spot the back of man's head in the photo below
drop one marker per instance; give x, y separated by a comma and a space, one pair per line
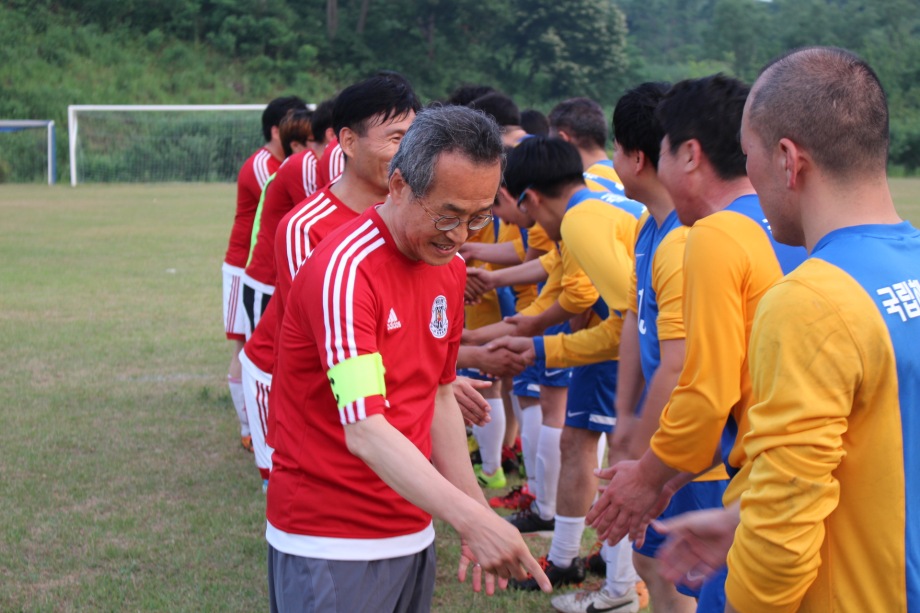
322, 119
708, 110
295, 127
582, 119
382, 97
465, 94
445, 129
275, 112
500, 107
534, 122
828, 101
635, 127
547, 165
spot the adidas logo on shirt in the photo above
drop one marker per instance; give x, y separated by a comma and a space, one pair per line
393, 321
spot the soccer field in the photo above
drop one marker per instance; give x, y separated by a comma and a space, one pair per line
122, 483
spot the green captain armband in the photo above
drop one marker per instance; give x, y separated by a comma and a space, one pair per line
356, 378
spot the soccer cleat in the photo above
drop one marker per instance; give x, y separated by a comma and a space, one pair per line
529, 520
510, 460
473, 446
495, 481
596, 600
574, 574
642, 592
518, 499
594, 561
246, 442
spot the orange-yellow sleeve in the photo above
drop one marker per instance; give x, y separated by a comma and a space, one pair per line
587, 346
552, 263
715, 267
539, 240
668, 281
578, 293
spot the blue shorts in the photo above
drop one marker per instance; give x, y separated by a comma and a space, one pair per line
591, 395
473, 373
694, 496
712, 593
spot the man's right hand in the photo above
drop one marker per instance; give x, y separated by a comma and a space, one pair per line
499, 548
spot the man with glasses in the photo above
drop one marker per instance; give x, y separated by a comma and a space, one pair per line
369, 443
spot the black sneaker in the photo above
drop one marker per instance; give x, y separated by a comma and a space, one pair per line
594, 561
529, 520
573, 575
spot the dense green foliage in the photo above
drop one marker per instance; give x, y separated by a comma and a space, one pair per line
59, 52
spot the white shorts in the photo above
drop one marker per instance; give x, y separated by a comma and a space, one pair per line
256, 386
255, 300
234, 317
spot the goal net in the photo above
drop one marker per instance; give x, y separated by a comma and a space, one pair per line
161, 143
27, 151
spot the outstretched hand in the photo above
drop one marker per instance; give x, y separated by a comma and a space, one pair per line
473, 406
696, 544
520, 345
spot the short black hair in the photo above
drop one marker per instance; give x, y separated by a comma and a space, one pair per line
635, 127
275, 112
466, 93
388, 95
583, 119
544, 164
708, 110
534, 122
502, 108
322, 118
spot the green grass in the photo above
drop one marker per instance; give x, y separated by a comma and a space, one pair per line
122, 484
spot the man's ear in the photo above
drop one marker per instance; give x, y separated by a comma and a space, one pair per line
793, 160
690, 154
347, 140
399, 189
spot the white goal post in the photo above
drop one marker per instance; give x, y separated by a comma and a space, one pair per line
136, 148
15, 125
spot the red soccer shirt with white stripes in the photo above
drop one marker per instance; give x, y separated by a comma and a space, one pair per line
294, 181
331, 164
297, 234
249, 183
356, 295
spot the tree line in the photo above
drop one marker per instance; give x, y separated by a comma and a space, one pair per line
59, 52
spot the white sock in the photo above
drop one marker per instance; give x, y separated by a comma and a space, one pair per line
601, 450
548, 465
236, 394
531, 420
490, 437
566, 540
621, 574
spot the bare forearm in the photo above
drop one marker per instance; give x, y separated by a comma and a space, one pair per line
522, 274
403, 467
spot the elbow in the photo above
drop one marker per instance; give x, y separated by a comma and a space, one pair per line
356, 439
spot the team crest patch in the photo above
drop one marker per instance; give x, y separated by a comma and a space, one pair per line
438, 325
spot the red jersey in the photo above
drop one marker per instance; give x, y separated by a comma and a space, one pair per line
249, 183
331, 165
294, 181
357, 295
295, 237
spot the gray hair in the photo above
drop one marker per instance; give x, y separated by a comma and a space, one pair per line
445, 129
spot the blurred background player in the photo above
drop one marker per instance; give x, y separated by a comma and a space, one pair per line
251, 179
294, 179
534, 122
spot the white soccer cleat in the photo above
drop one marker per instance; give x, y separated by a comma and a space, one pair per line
596, 601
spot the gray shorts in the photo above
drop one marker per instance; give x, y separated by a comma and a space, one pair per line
310, 585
